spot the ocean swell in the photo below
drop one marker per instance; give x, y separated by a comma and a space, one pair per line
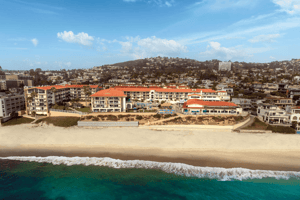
176, 168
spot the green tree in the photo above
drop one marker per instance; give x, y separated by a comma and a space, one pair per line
87, 92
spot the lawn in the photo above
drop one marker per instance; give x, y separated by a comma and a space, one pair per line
60, 107
18, 120
60, 121
87, 109
259, 125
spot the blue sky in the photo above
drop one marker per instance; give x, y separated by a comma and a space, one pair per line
71, 34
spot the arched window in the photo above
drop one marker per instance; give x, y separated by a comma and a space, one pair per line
295, 118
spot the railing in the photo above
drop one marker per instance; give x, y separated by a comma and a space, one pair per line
69, 111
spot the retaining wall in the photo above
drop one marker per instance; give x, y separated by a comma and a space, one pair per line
191, 127
254, 131
108, 124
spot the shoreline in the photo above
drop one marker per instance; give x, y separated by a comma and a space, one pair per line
254, 160
205, 148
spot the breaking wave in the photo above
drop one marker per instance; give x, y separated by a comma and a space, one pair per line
222, 174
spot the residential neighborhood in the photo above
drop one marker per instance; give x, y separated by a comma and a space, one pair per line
269, 91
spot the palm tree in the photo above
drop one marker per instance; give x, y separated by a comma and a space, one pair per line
53, 89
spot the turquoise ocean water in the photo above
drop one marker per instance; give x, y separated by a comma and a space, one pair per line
63, 180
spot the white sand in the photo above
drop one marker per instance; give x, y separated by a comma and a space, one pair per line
257, 148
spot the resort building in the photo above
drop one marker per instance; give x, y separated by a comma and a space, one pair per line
196, 106
40, 99
9, 104
172, 95
110, 100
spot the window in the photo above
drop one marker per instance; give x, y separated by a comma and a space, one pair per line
295, 118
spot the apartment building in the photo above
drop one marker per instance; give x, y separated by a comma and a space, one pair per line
173, 95
7, 84
22, 79
10, 103
77, 91
110, 100
40, 99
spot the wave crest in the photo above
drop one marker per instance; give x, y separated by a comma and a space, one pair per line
176, 168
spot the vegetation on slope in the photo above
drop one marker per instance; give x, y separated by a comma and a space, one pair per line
259, 125
18, 120
60, 121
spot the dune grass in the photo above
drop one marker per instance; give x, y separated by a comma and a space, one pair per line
18, 120
259, 125
60, 121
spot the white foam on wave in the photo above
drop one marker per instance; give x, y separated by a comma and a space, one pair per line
176, 168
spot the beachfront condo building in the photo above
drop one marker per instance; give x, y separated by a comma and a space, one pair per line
110, 100
196, 106
40, 99
10, 103
172, 95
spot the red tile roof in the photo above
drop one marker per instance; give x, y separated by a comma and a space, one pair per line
159, 89
195, 95
185, 90
112, 92
208, 103
136, 89
66, 86
80, 86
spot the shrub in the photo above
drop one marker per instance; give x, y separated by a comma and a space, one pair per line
95, 119
167, 116
112, 118
139, 117
188, 118
239, 118
158, 116
33, 114
281, 129
89, 117
214, 118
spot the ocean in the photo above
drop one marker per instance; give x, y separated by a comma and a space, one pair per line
64, 178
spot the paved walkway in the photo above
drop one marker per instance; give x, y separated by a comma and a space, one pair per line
252, 118
75, 110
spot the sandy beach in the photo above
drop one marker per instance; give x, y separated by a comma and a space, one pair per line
206, 147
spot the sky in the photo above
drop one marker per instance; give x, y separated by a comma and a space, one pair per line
73, 34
